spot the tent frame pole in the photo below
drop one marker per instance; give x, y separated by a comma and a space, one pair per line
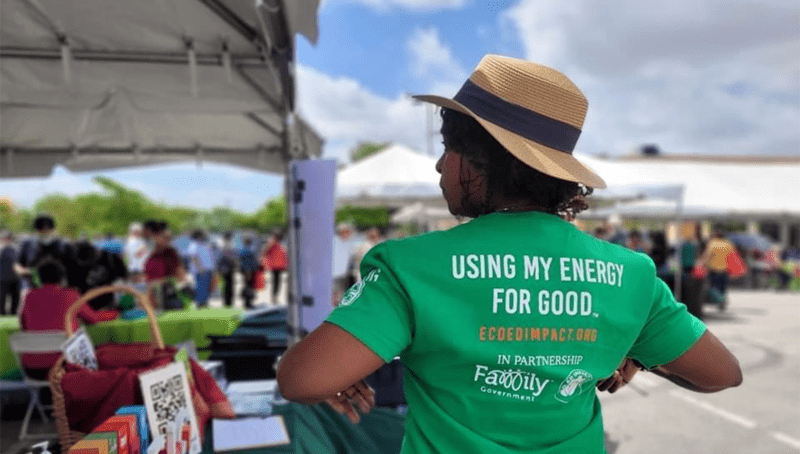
295, 284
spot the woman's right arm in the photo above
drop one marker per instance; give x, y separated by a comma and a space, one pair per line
707, 367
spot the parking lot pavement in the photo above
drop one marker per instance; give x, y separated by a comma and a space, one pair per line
761, 416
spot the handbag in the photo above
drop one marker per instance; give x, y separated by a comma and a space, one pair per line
735, 264
259, 283
699, 272
84, 398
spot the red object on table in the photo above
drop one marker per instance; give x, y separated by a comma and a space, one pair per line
91, 397
125, 434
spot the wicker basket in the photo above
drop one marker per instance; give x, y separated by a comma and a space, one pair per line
67, 436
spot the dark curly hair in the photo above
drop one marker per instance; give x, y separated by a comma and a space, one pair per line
506, 176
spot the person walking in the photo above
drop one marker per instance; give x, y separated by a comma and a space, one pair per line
275, 261
506, 324
715, 260
227, 264
201, 264
9, 280
248, 265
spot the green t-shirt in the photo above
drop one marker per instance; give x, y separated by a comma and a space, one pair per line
505, 324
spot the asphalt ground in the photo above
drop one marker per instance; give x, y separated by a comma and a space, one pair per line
654, 416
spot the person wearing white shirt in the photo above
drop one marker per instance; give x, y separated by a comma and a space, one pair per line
201, 265
343, 245
136, 252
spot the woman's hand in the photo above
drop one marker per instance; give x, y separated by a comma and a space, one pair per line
357, 397
621, 377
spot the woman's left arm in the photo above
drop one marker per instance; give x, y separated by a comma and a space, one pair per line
328, 361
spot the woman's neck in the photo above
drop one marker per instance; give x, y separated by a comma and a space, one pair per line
516, 205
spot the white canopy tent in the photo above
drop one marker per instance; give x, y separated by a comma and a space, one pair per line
395, 177
713, 188
101, 84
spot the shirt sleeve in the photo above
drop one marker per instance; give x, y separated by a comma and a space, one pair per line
377, 310
85, 312
670, 330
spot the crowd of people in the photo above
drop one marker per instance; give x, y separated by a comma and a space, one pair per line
349, 249
149, 259
43, 275
709, 258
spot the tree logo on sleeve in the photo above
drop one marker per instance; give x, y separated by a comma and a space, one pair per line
354, 292
575, 384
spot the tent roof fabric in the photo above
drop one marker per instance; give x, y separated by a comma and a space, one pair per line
101, 83
395, 176
712, 189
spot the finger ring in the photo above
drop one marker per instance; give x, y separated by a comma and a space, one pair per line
339, 394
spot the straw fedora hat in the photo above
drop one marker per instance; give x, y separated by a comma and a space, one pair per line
534, 111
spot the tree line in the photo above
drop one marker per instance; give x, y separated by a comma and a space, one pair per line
117, 206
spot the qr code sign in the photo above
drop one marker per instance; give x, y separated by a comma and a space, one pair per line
85, 355
79, 350
168, 400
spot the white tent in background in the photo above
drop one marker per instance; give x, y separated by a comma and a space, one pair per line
395, 177
728, 189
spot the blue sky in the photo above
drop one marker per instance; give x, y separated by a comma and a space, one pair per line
694, 77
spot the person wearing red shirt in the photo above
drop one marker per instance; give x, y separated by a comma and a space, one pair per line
162, 265
164, 261
44, 309
274, 259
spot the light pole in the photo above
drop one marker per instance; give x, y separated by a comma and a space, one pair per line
430, 132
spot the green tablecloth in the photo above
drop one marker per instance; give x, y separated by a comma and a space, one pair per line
176, 326
320, 430
8, 366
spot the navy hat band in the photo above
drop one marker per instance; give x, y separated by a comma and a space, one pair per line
519, 120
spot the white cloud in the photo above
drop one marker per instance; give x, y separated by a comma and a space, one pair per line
25, 192
432, 59
409, 5
694, 77
345, 113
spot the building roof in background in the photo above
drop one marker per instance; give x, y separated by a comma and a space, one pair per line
714, 186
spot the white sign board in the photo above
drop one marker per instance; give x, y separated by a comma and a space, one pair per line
168, 401
316, 216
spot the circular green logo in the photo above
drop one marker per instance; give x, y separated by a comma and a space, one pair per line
352, 294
